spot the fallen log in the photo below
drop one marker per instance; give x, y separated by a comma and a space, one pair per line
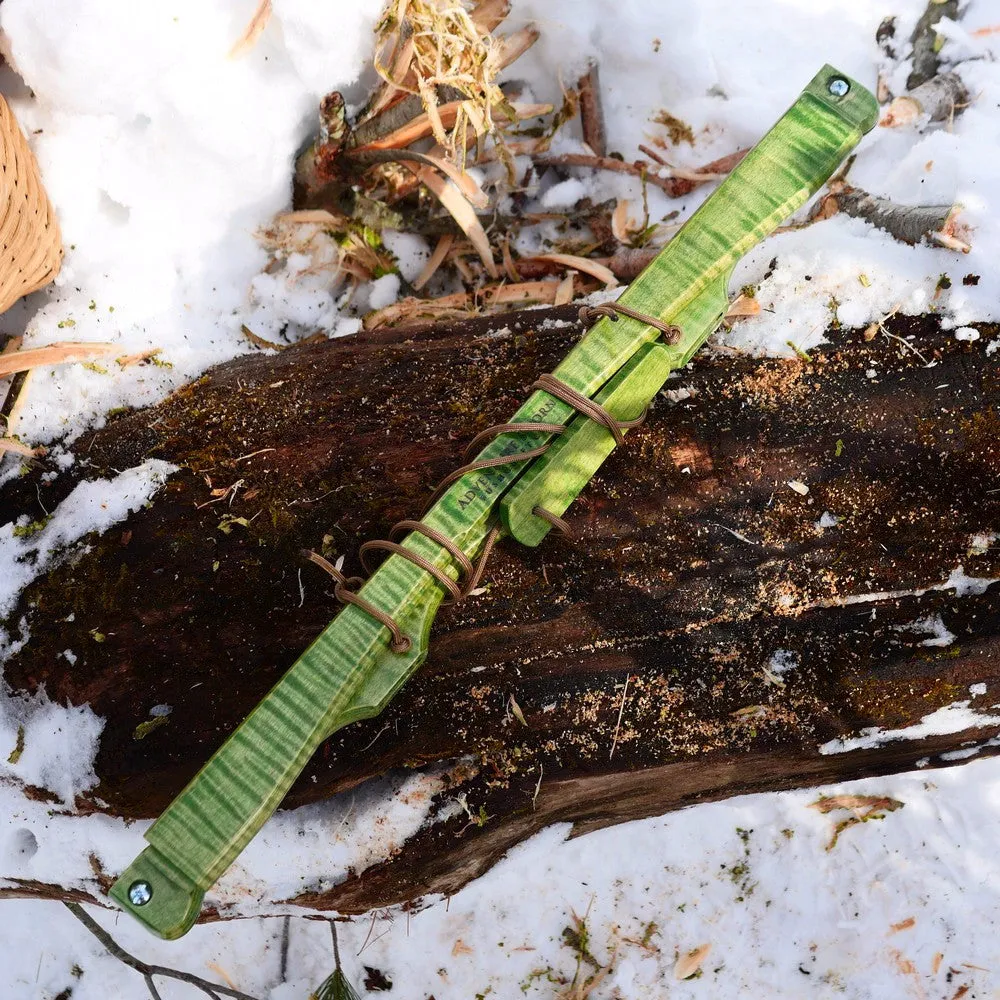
773, 563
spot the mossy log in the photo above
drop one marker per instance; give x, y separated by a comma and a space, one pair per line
703, 632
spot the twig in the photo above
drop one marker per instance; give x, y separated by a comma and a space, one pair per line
253, 30
403, 115
461, 303
926, 59
285, 938
52, 354
621, 712
147, 971
936, 100
681, 182
697, 176
906, 223
591, 111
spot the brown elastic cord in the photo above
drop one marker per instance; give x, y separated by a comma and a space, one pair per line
400, 642
418, 560
474, 573
612, 310
587, 406
465, 564
497, 429
436, 536
554, 519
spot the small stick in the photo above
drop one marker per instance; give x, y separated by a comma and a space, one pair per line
591, 111
675, 186
621, 712
146, 970
52, 354
926, 59
936, 100
906, 223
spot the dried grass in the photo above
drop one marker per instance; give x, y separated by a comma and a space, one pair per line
423, 45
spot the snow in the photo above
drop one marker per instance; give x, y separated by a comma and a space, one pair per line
59, 743
783, 661
164, 156
753, 877
93, 505
952, 718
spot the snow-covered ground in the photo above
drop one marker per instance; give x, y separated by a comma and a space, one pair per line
163, 155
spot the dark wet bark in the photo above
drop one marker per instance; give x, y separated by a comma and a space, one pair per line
693, 563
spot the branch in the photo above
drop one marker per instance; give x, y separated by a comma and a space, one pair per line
591, 111
934, 101
148, 972
907, 223
677, 185
926, 61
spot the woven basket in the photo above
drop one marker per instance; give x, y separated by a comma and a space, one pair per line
30, 243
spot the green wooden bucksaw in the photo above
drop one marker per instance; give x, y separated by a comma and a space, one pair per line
518, 485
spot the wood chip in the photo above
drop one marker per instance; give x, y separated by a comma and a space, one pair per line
515, 709
741, 306
830, 802
460, 210
516, 44
253, 30
124, 360
52, 354
267, 345
487, 15
591, 267
903, 925
15, 447
687, 965
435, 261
564, 293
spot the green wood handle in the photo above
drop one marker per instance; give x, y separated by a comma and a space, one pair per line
686, 284
349, 672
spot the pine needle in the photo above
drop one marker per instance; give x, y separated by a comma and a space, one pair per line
335, 986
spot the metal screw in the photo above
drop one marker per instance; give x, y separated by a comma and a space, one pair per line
838, 86
140, 893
